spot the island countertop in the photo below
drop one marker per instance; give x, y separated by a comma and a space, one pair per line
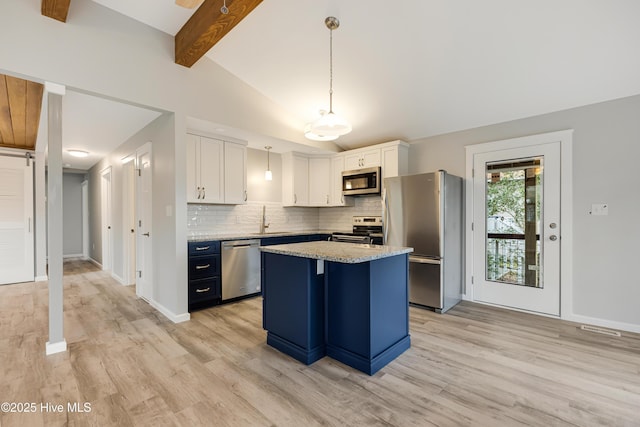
348, 253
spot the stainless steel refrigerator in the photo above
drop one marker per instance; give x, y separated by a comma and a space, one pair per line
424, 212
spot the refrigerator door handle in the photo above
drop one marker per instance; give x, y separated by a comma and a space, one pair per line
421, 260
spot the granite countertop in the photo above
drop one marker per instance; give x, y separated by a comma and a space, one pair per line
203, 237
348, 253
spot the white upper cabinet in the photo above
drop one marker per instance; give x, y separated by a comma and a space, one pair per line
319, 181
235, 173
316, 180
216, 171
362, 158
295, 179
394, 159
337, 167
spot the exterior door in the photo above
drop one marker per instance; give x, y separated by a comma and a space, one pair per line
144, 238
516, 228
16, 220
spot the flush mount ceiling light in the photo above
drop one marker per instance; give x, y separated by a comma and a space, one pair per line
268, 176
78, 153
330, 124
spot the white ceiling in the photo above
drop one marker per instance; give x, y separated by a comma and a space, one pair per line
98, 126
417, 68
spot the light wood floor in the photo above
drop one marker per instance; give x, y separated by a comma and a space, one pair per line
475, 366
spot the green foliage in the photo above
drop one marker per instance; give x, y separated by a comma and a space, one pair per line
507, 196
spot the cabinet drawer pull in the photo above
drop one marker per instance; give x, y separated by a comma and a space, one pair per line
203, 290
202, 248
202, 267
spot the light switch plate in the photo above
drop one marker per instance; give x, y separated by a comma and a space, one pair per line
599, 209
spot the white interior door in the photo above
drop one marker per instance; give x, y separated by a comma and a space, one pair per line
516, 223
16, 220
144, 238
129, 219
107, 232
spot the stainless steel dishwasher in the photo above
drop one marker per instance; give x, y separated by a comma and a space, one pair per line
240, 268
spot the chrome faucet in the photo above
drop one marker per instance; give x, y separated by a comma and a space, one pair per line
263, 220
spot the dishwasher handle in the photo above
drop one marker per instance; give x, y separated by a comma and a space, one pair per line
239, 244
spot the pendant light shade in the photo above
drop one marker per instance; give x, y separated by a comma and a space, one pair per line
316, 137
330, 126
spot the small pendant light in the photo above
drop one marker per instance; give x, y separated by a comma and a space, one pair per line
268, 176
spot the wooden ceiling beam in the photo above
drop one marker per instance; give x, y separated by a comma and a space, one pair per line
56, 9
207, 26
20, 106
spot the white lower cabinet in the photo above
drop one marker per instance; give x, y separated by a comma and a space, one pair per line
216, 171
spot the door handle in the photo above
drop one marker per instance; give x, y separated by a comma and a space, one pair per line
202, 267
145, 234
203, 290
553, 237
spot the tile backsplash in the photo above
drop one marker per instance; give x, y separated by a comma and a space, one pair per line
225, 219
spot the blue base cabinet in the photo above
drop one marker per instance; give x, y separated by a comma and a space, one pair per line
293, 306
357, 314
204, 274
367, 314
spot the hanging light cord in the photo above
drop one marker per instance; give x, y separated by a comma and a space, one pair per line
330, 70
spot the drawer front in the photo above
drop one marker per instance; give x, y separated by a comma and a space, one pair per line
203, 290
204, 248
204, 266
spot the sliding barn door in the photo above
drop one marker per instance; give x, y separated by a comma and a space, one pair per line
16, 220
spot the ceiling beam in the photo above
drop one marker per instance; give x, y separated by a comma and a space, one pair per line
207, 26
56, 9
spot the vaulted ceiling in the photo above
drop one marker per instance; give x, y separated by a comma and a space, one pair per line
416, 68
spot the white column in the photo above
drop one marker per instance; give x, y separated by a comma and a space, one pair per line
56, 343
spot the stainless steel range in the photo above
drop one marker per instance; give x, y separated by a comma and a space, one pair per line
365, 229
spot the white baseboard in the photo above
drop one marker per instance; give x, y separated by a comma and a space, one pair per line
175, 318
118, 279
94, 262
41, 278
68, 256
56, 347
604, 323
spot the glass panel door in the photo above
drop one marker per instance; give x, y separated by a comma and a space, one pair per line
513, 197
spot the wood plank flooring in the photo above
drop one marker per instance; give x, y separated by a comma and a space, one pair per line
474, 366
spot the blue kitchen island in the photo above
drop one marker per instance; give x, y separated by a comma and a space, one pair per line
342, 300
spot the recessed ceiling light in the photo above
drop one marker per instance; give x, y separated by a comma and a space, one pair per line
78, 153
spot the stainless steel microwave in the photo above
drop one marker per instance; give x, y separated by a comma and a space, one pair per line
361, 181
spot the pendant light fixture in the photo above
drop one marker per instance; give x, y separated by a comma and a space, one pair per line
330, 124
268, 176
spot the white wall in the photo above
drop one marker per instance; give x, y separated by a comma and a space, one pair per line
606, 146
258, 189
72, 214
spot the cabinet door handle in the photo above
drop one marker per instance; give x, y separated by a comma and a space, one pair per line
199, 193
204, 193
202, 267
327, 199
245, 195
202, 248
295, 199
203, 290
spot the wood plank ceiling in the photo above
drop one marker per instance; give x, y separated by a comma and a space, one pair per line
20, 105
